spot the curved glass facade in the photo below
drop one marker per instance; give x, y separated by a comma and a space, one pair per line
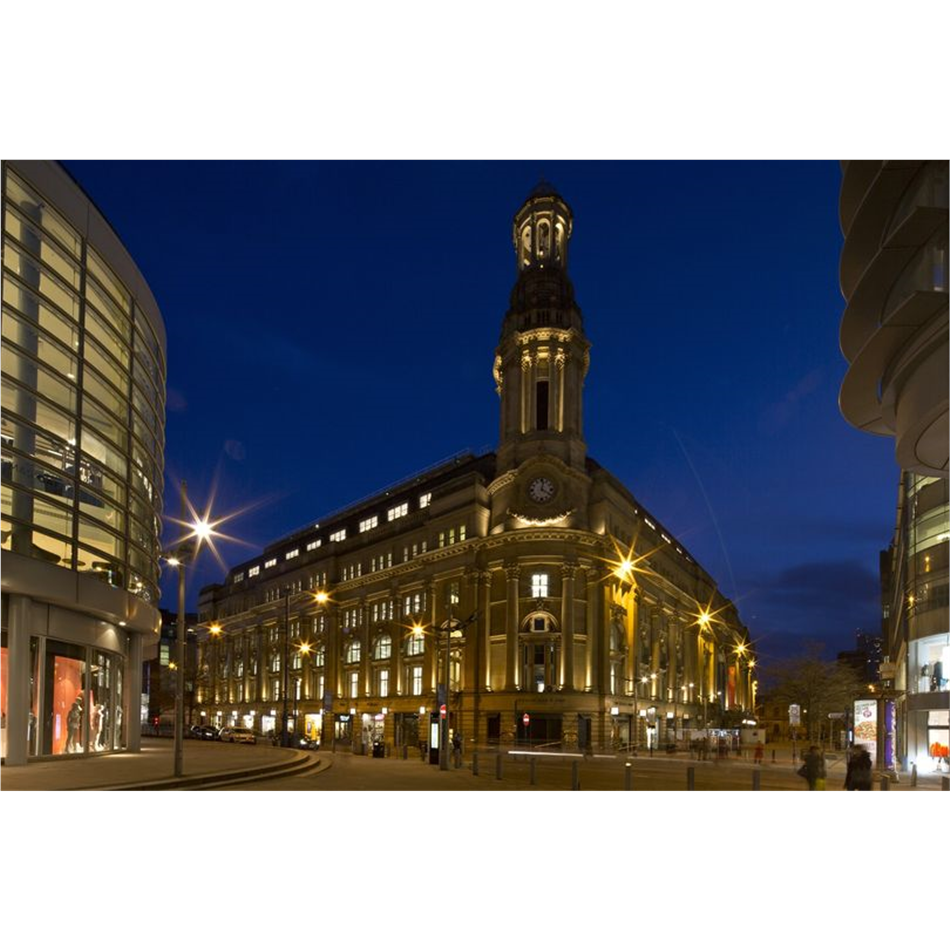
83, 402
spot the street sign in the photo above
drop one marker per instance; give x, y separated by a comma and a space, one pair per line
836, 715
794, 715
442, 710
526, 719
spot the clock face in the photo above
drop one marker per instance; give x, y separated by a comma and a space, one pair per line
541, 489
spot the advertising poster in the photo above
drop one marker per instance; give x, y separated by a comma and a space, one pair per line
865, 725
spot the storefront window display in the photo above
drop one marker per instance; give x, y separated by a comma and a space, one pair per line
4, 676
64, 704
928, 662
930, 740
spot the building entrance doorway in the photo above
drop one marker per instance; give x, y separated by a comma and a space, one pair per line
542, 729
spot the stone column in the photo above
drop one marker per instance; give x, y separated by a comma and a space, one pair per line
484, 629
366, 647
630, 660
512, 633
18, 680
132, 684
593, 631
568, 570
430, 669
654, 653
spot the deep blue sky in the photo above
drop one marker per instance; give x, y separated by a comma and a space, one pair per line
331, 329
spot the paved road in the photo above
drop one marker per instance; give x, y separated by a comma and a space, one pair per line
362, 773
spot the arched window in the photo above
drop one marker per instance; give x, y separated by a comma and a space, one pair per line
383, 649
526, 245
544, 239
353, 651
415, 644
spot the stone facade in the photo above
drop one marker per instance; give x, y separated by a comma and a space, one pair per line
511, 564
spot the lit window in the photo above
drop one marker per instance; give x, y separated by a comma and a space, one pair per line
539, 585
253, 572
354, 685
399, 511
313, 545
383, 683
416, 645
369, 523
454, 592
425, 499
384, 648
415, 679
353, 652
338, 535
270, 563
650, 523
290, 554
239, 577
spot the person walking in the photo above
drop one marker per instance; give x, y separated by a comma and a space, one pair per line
859, 774
813, 769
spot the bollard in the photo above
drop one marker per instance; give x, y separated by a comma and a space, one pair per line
885, 783
405, 752
575, 778
533, 772
691, 779
773, 757
913, 776
756, 781
498, 766
945, 783
474, 763
628, 777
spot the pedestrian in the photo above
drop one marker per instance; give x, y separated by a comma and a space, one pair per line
457, 747
858, 777
813, 769
759, 753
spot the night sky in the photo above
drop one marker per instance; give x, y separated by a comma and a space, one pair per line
331, 329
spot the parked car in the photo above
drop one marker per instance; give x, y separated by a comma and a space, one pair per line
205, 732
238, 734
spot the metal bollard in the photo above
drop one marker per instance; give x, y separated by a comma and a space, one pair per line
575, 777
474, 763
628, 777
691, 779
913, 776
756, 781
885, 783
498, 766
533, 772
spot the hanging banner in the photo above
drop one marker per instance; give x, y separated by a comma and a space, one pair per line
865, 725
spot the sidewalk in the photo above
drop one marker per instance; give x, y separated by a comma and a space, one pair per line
153, 767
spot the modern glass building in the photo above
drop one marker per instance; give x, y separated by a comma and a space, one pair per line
83, 444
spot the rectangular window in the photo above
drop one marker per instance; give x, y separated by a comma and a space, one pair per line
313, 545
415, 680
454, 592
539, 585
354, 685
290, 554
338, 535
271, 562
238, 577
542, 405
400, 511
383, 684
425, 500
369, 524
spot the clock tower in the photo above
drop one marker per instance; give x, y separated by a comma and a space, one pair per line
540, 365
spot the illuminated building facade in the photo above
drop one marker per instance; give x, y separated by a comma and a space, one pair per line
914, 711
894, 329
557, 608
83, 444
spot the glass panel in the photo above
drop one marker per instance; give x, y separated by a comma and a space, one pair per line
37, 243
64, 699
16, 365
94, 415
96, 536
120, 323
18, 400
34, 207
95, 385
107, 278
34, 275
97, 447
18, 297
103, 697
28, 337
96, 507
101, 481
108, 339
97, 565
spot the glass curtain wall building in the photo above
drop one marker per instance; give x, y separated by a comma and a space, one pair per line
83, 443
